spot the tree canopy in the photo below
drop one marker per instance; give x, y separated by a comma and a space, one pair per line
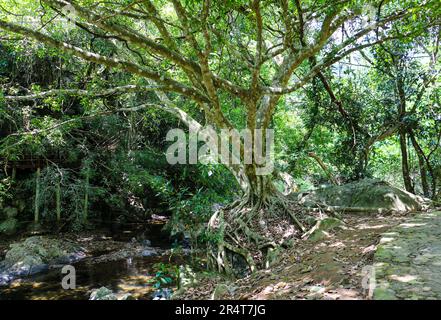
347, 85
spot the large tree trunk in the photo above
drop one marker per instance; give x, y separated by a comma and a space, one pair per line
258, 188
254, 227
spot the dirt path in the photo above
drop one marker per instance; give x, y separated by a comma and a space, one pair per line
327, 269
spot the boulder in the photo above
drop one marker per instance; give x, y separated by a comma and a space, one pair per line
10, 212
102, 294
149, 252
9, 226
36, 254
162, 294
364, 196
222, 291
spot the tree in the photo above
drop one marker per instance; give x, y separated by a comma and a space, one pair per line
402, 73
214, 54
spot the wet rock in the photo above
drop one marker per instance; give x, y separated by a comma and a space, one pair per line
162, 294
149, 252
36, 254
5, 279
129, 250
146, 243
38, 268
102, 294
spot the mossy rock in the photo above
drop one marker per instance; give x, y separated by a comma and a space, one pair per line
102, 294
221, 291
323, 226
384, 294
368, 195
39, 250
10, 212
187, 277
9, 226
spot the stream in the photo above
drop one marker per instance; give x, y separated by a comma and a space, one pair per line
128, 275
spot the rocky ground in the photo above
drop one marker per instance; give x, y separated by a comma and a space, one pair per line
334, 267
377, 250
408, 260
400, 254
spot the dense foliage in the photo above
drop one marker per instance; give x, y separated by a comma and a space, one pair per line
88, 94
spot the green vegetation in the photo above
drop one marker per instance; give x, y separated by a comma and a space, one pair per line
89, 91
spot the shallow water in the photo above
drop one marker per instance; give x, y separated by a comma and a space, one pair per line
130, 275
122, 276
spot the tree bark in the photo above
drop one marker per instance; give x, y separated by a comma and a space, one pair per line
405, 163
37, 196
421, 163
58, 200
86, 196
324, 167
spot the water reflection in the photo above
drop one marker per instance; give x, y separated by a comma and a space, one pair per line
130, 275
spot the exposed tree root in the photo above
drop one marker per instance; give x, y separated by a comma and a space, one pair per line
249, 235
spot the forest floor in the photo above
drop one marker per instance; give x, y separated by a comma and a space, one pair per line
403, 251
332, 268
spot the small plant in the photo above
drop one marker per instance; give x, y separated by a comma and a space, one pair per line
165, 275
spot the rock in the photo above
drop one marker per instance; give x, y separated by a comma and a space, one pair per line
146, 243
10, 212
126, 296
384, 294
35, 255
407, 260
41, 249
38, 268
222, 291
162, 294
285, 183
187, 277
315, 292
322, 228
149, 252
364, 196
102, 294
9, 226
5, 279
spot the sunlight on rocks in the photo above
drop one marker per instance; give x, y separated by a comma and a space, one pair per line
406, 278
411, 225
